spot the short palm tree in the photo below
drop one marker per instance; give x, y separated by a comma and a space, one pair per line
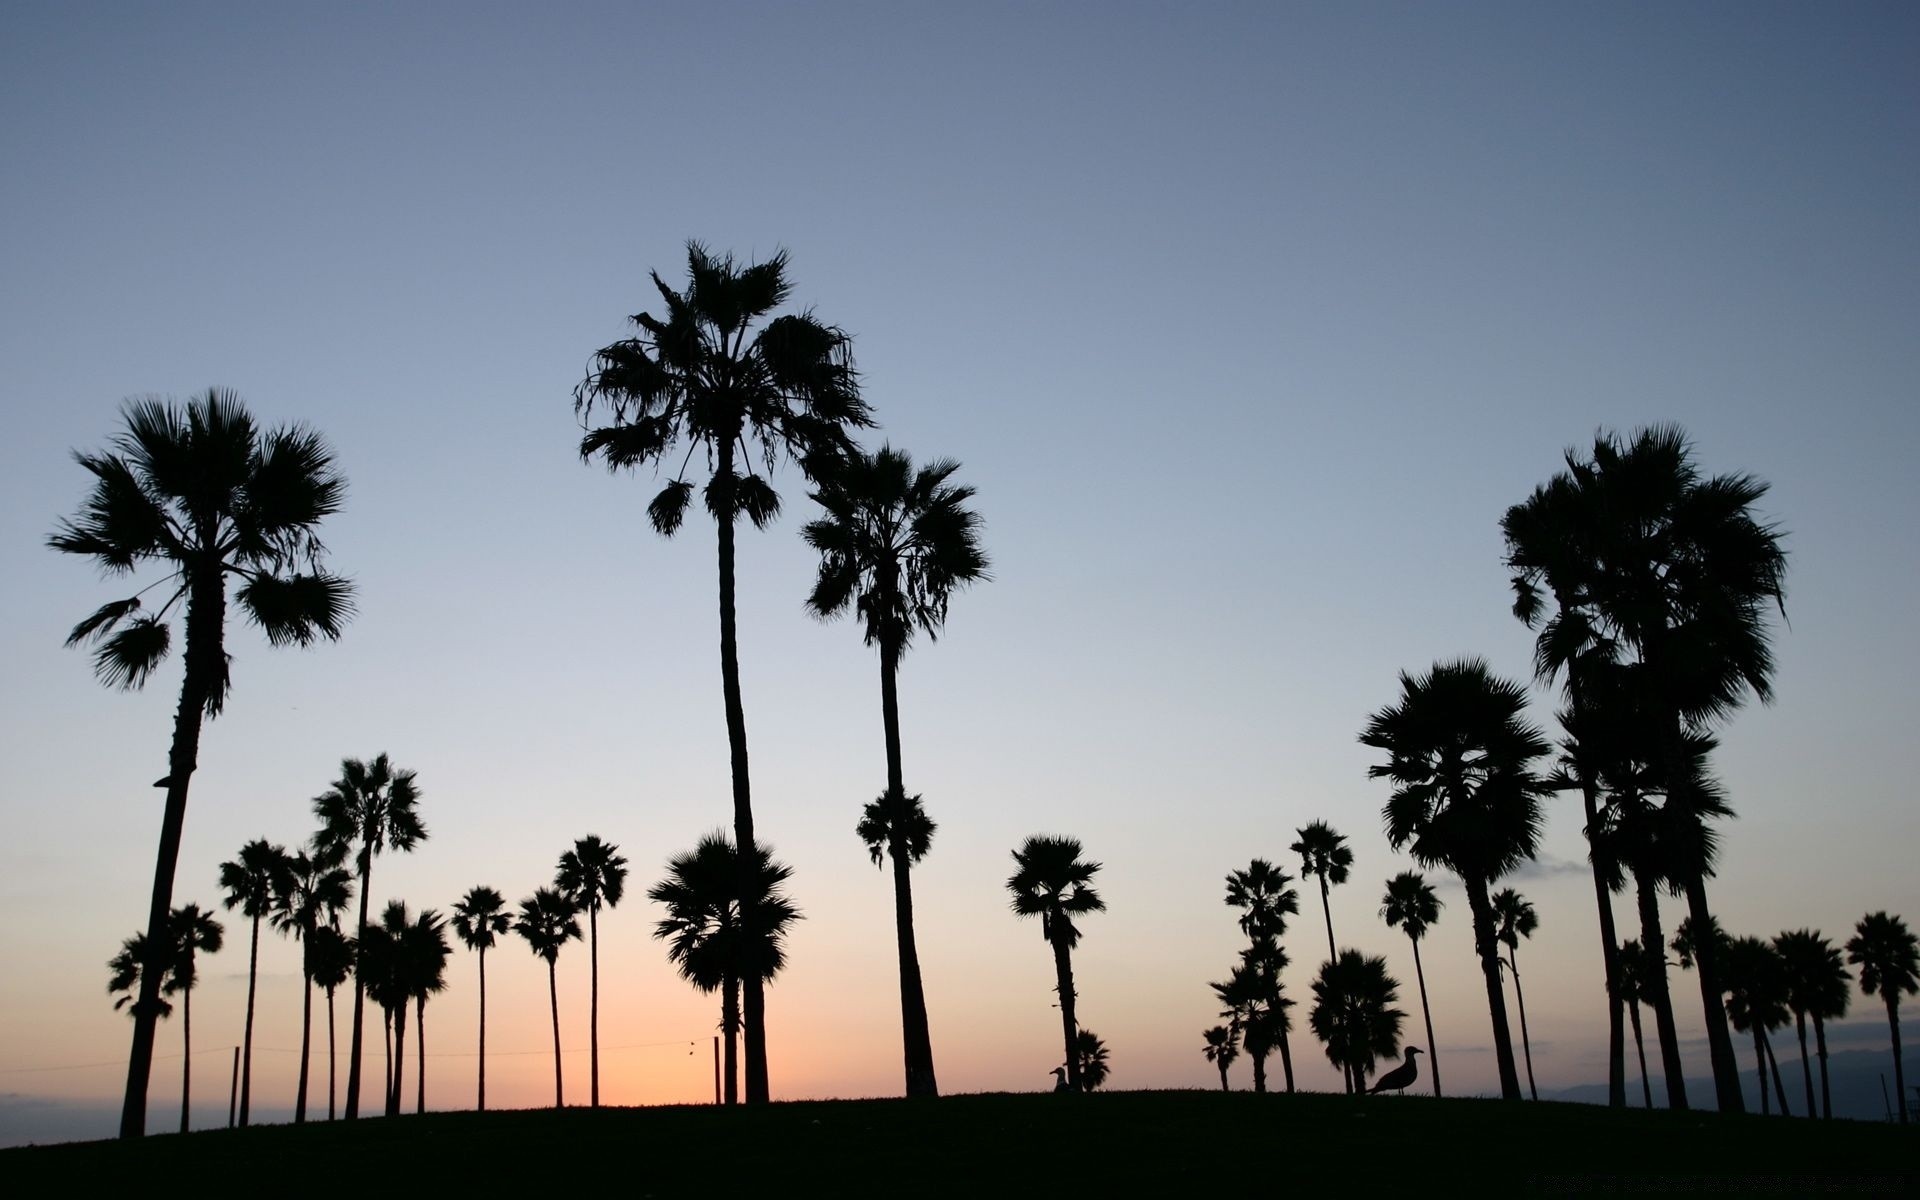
1459, 757
719, 377
1222, 1048
547, 921
317, 890
1265, 896
260, 874
1888, 956
1631, 969
203, 493
371, 808
479, 919
329, 959
1353, 1014
423, 950
1514, 919
1094, 1066
591, 875
1818, 986
124, 970
894, 544
195, 932
1411, 905
1051, 881
1756, 982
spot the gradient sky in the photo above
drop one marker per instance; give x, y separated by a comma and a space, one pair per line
1247, 321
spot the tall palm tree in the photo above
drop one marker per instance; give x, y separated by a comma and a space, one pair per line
593, 874
424, 951
329, 958
316, 890
195, 932
1052, 882
1514, 919
260, 874
479, 920
1632, 968
1459, 757
1818, 986
1324, 853
371, 808
1221, 1049
201, 491
895, 826
719, 377
547, 922
707, 931
1265, 896
1411, 905
1092, 1053
894, 545
1756, 982
1353, 1014
1888, 956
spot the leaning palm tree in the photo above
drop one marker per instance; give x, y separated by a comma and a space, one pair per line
1265, 896
593, 874
1818, 986
1514, 919
1053, 883
894, 545
329, 960
1631, 970
547, 922
1353, 1014
1092, 1053
705, 377
1888, 956
424, 952
370, 808
478, 919
1221, 1049
1459, 756
195, 932
316, 890
208, 497
260, 874
1411, 905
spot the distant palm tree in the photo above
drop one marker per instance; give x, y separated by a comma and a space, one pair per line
593, 874
1324, 853
383, 970
330, 956
1053, 883
252, 881
124, 972
547, 923
1353, 1014
316, 890
1888, 956
195, 932
424, 952
1411, 905
1092, 1053
1221, 1049
200, 490
894, 545
1756, 982
1459, 756
1255, 996
1514, 919
370, 808
479, 920
697, 378
1818, 985
1632, 968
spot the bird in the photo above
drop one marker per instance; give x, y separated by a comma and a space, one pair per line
1400, 1077
1060, 1080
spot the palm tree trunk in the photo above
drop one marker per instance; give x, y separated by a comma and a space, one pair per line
1223, 1078
1706, 957
1063, 983
593, 1004
1286, 1052
1259, 1072
1426, 1014
1333, 955
1484, 944
332, 1075
1899, 1069
386, 1081
1820, 1052
1655, 988
1773, 1068
482, 1104
246, 1057
553, 995
306, 1042
399, 1057
1609, 941
1760, 1067
186, 1055
1520, 997
917, 1041
359, 984
730, 1026
1640, 1048
420, 1054
1806, 1067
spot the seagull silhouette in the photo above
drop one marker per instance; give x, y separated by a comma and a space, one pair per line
1400, 1077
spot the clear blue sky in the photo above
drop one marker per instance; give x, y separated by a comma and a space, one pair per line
1247, 321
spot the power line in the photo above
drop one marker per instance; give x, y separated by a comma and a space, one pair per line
121, 1062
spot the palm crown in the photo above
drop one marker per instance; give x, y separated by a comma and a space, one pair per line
1887, 954
1053, 883
195, 932
314, 891
879, 818
370, 808
705, 930
479, 919
1353, 1011
547, 922
592, 874
1514, 917
1410, 904
1756, 983
1323, 852
1266, 898
125, 969
1817, 980
257, 878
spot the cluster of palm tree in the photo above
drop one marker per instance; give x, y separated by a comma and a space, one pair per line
191, 931
1253, 999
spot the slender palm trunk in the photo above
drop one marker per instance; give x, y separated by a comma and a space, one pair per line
1259, 1071
1520, 998
1899, 1069
186, 1055
386, 1081
553, 995
482, 1104
917, 1041
1640, 1048
1806, 1067
1063, 983
359, 984
1286, 1054
730, 1026
332, 1077
1773, 1068
593, 1004
1760, 1068
1609, 941
1489, 953
1223, 1078
399, 1057
1820, 1052
246, 1057
1655, 990
1333, 955
1706, 957
306, 1043
420, 1054
1426, 1014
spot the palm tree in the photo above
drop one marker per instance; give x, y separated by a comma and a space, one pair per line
547, 922
1817, 986
1514, 919
1053, 883
1266, 898
424, 952
697, 378
1756, 981
194, 932
316, 890
125, 970
1353, 1014
329, 960
1459, 757
1221, 1049
383, 971
1631, 969
592, 874
261, 873
1092, 1053
478, 919
201, 491
1888, 956
1324, 853
1411, 905
707, 934
370, 808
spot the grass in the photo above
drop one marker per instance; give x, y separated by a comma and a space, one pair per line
1113, 1144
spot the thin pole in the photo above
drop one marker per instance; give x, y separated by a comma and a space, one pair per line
233, 1089
716, 1068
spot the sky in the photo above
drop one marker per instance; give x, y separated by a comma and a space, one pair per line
1246, 321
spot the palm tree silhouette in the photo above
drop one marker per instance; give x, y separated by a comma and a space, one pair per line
478, 919
707, 932
1459, 756
1092, 1053
194, 932
383, 970
1053, 883
316, 889
1756, 982
706, 377
592, 874
1514, 919
894, 545
370, 808
1631, 971
1221, 1049
329, 960
204, 493
547, 923
1888, 956
125, 970
423, 957
1324, 853
1411, 905
252, 881
1818, 985
1266, 898
1353, 1014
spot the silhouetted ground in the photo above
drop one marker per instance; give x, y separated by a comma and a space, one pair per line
1114, 1144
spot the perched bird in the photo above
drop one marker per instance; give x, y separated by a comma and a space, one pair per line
1060, 1079
1400, 1077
